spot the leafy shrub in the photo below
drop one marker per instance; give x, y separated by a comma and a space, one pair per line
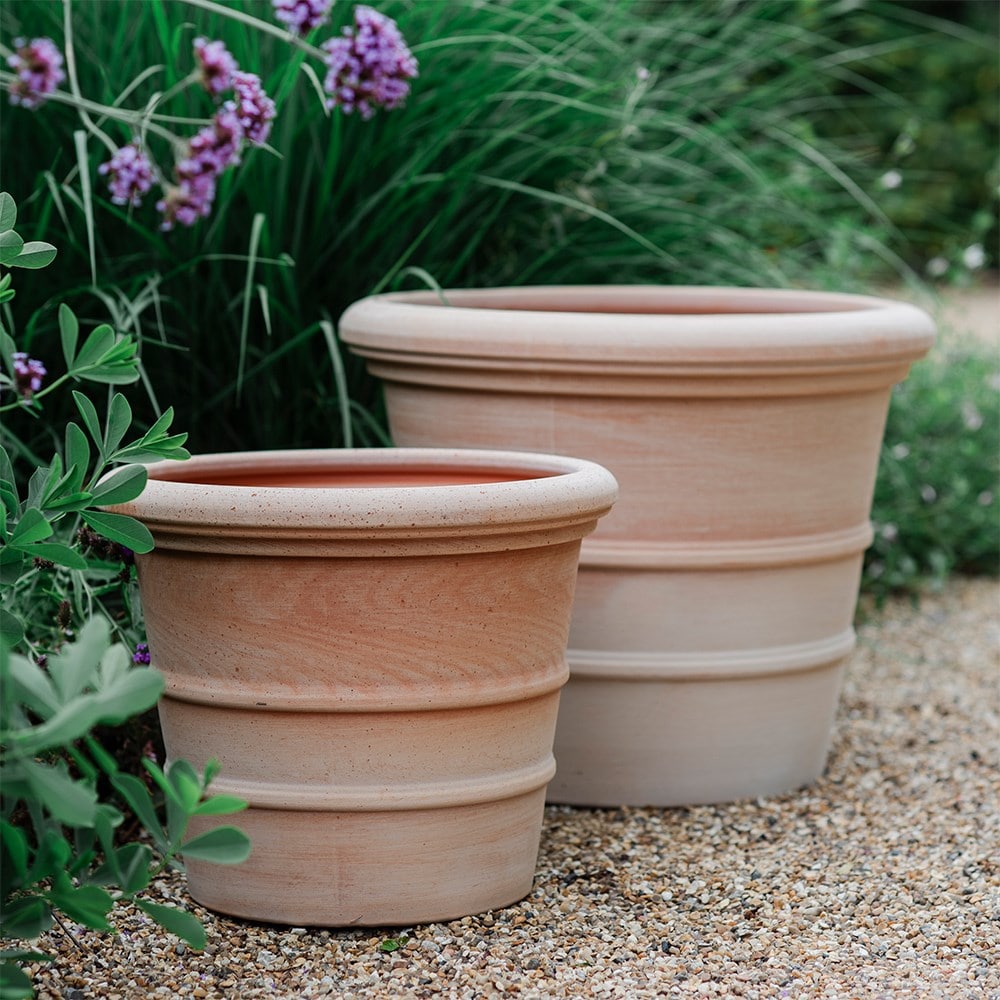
936, 503
58, 848
59, 851
921, 102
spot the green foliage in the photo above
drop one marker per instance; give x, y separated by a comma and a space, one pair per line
59, 849
923, 108
544, 141
42, 564
59, 852
936, 498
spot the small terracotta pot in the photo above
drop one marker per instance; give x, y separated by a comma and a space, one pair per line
372, 643
714, 608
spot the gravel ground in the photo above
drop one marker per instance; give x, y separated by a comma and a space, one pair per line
881, 880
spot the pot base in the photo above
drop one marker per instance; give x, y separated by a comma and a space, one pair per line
374, 869
692, 742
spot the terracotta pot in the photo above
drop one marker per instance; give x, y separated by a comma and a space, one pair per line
714, 607
372, 643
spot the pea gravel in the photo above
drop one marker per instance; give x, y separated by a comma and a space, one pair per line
881, 880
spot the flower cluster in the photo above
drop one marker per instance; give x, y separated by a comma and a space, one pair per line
369, 67
28, 374
254, 109
38, 65
130, 174
141, 655
103, 548
211, 151
216, 65
302, 16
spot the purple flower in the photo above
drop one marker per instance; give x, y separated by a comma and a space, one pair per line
183, 206
214, 147
301, 16
131, 174
28, 374
254, 109
141, 654
38, 65
369, 67
209, 153
216, 64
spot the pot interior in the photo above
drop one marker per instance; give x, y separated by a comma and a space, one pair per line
354, 478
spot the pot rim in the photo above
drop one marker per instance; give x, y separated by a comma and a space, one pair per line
698, 324
519, 488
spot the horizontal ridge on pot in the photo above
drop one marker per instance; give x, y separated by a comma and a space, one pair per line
714, 607
372, 643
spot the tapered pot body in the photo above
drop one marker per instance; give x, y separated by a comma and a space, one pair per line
372, 644
714, 608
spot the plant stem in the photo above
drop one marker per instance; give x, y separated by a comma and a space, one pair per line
257, 24
74, 84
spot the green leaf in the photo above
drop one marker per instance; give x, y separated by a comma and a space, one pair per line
6, 467
161, 426
179, 922
35, 254
52, 856
31, 686
136, 794
24, 955
58, 553
161, 779
100, 340
136, 691
225, 845
70, 502
120, 486
132, 863
11, 628
88, 412
220, 805
184, 779
76, 454
8, 212
70, 802
9, 502
76, 665
122, 529
69, 333
26, 918
14, 983
7, 349
119, 421
86, 904
11, 246
32, 527
211, 771
14, 848
71, 722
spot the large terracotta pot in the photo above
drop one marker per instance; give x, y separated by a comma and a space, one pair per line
714, 607
372, 643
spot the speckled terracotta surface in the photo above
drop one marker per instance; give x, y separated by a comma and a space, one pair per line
372, 643
714, 606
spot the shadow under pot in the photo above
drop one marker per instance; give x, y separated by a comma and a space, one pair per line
372, 644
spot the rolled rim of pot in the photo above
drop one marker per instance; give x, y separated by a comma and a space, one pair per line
635, 323
384, 492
